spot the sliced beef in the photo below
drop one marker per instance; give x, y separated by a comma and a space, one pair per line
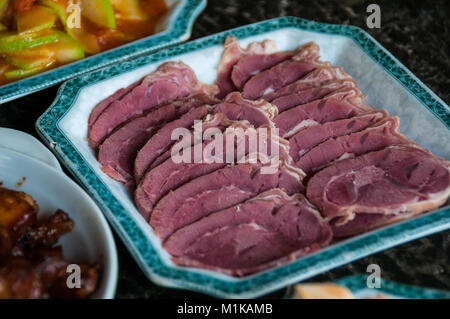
158, 160
170, 81
306, 139
221, 189
247, 145
291, 176
304, 61
218, 120
119, 94
170, 174
374, 138
338, 105
251, 64
363, 222
265, 231
315, 78
118, 152
282, 143
394, 183
244, 211
237, 108
162, 141
232, 52
286, 102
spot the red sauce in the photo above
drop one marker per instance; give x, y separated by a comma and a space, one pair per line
126, 30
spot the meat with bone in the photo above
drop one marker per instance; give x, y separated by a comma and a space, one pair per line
265, 231
170, 81
118, 152
21, 278
231, 55
373, 138
221, 189
338, 105
30, 263
18, 211
312, 136
47, 233
394, 183
303, 62
18, 280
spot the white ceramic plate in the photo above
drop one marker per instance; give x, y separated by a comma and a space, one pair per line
91, 240
424, 118
26, 144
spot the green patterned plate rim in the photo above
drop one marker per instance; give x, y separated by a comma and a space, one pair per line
358, 284
167, 274
179, 27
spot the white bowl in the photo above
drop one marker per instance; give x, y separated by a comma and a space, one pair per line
91, 240
24, 143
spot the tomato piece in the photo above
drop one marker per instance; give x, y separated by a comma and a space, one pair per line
22, 5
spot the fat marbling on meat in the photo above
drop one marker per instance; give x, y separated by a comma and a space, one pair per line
224, 188
374, 138
172, 80
118, 151
341, 104
305, 60
265, 231
232, 53
311, 136
381, 187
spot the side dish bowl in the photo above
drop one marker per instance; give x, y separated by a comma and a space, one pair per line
387, 82
174, 27
91, 239
26, 144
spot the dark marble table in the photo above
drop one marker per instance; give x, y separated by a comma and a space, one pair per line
417, 32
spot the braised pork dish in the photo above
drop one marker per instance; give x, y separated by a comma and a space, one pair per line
32, 264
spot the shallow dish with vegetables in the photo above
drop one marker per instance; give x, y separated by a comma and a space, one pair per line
41, 34
44, 42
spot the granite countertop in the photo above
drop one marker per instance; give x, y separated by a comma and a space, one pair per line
417, 32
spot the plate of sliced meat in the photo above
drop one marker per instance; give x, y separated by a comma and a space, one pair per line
255, 158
